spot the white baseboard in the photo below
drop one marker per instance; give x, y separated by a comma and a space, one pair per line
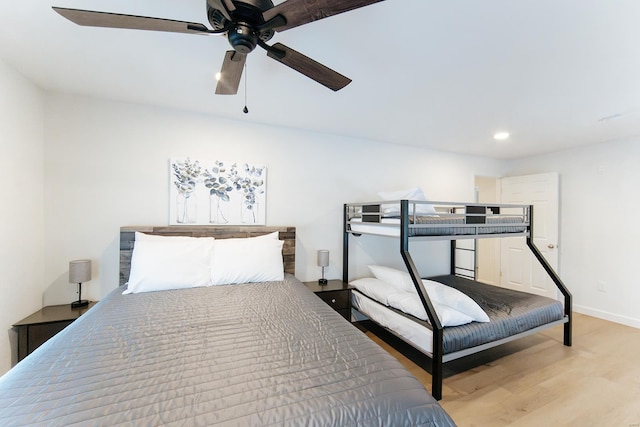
605, 315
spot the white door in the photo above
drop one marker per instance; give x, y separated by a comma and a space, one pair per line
488, 250
520, 269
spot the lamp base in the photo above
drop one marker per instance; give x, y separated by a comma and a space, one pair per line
79, 303
323, 282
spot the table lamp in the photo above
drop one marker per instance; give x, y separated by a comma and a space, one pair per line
79, 272
323, 261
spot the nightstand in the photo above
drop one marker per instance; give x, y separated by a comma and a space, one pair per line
336, 293
35, 330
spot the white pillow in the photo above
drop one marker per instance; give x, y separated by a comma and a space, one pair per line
256, 259
374, 288
437, 292
273, 236
158, 265
415, 193
396, 278
411, 304
455, 299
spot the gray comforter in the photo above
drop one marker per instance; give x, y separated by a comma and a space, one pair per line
247, 355
511, 312
456, 225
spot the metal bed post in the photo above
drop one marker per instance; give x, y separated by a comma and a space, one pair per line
556, 279
452, 259
345, 245
436, 326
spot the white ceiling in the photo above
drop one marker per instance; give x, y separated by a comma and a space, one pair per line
444, 74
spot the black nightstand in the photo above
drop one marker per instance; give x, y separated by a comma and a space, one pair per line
336, 293
35, 330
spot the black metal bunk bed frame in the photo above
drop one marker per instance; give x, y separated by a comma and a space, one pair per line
476, 216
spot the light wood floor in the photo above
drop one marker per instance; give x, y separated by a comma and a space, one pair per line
537, 381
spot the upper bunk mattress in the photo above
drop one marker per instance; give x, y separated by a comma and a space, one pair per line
445, 225
251, 354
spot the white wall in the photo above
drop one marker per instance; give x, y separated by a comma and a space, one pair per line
22, 213
107, 166
599, 202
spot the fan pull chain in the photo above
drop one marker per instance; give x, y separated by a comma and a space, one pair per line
245, 109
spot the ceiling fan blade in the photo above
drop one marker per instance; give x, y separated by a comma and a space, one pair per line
231, 73
114, 20
298, 12
307, 66
225, 6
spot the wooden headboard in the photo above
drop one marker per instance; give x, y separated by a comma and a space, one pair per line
127, 239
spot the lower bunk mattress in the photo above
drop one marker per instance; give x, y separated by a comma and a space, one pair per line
510, 312
250, 354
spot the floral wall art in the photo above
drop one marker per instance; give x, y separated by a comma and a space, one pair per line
216, 192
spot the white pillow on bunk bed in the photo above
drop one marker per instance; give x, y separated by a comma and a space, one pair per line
416, 193
456, 299
171, 263
408, 302
396, 278
374, 288
255, 259
437, 292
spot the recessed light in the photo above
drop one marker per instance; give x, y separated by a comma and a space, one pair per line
501, 136
218, 75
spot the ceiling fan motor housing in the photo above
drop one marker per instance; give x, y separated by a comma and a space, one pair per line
242, 37
242, 29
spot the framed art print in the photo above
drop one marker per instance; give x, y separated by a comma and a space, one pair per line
216, 192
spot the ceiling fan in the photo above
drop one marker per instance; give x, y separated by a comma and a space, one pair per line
247, 24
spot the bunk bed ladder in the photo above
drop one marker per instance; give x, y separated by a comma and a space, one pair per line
462, 270
556, 279
436, 326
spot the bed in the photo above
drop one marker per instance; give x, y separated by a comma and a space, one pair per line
511, 314
267, 353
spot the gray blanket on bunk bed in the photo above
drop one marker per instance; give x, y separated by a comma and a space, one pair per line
511, 312
458, 225
251, 354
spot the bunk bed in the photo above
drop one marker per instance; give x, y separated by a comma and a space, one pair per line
512, 314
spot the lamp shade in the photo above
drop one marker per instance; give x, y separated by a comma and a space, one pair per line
323, 258
80, 271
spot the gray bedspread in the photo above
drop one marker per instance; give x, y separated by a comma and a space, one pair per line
456, 225
511, 312
246, 355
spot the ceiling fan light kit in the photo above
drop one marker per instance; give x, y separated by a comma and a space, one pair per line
246, 24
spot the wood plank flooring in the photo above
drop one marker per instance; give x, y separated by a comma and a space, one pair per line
537, 381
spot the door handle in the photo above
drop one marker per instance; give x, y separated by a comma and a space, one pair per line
551, 246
